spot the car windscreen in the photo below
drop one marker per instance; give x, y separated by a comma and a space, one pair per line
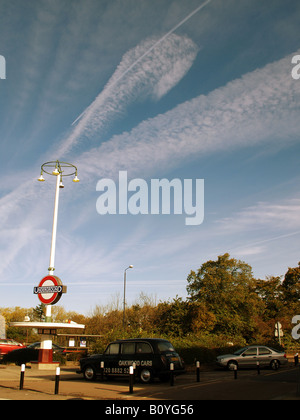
34, 346
238, 352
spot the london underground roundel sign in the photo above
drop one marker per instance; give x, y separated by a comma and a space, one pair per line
49, 290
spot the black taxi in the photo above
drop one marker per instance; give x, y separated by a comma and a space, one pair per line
151, 357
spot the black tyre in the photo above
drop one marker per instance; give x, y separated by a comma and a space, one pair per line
232, 365
146, 376
275, 364
89, 373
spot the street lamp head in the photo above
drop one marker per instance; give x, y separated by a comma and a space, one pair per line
56, 170
131, 266
61, 169
76, 179
61, 185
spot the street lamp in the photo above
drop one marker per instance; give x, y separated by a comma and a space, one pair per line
60, 170
124, 301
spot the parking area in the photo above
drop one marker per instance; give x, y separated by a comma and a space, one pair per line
214, 384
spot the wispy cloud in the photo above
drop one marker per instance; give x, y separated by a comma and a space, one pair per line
152, 77
261, 246
276, 216
261, 107
253, 231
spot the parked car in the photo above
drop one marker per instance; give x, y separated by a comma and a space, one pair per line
151, 357
7, 345
29, 354
248, 357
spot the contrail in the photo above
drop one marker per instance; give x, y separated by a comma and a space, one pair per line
264, 241
149, 50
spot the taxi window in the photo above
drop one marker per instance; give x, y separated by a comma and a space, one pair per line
165, 346
142, 348
112, 349
128, 348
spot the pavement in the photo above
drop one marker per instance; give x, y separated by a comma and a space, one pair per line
213, 385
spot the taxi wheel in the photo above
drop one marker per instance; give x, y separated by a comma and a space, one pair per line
89, 373
146, 376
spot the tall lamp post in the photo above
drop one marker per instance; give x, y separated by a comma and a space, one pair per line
60, 170
124, 300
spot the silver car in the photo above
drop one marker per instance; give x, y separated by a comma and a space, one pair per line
248, 357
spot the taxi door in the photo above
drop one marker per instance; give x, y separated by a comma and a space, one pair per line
111, 358
126, 357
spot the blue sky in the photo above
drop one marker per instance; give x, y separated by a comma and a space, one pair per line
160, 89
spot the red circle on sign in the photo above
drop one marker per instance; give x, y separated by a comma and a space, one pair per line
49, 298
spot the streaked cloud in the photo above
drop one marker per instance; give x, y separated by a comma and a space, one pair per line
150, 78
259, 108
283, 215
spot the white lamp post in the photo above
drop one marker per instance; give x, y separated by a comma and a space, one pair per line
60, 170
124, 300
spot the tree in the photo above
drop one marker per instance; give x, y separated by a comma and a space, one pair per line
141, 314
180, 318
169, 317
227, 288
271, 294
291, 285
39, 312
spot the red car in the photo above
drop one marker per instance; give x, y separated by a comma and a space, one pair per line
7, 345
